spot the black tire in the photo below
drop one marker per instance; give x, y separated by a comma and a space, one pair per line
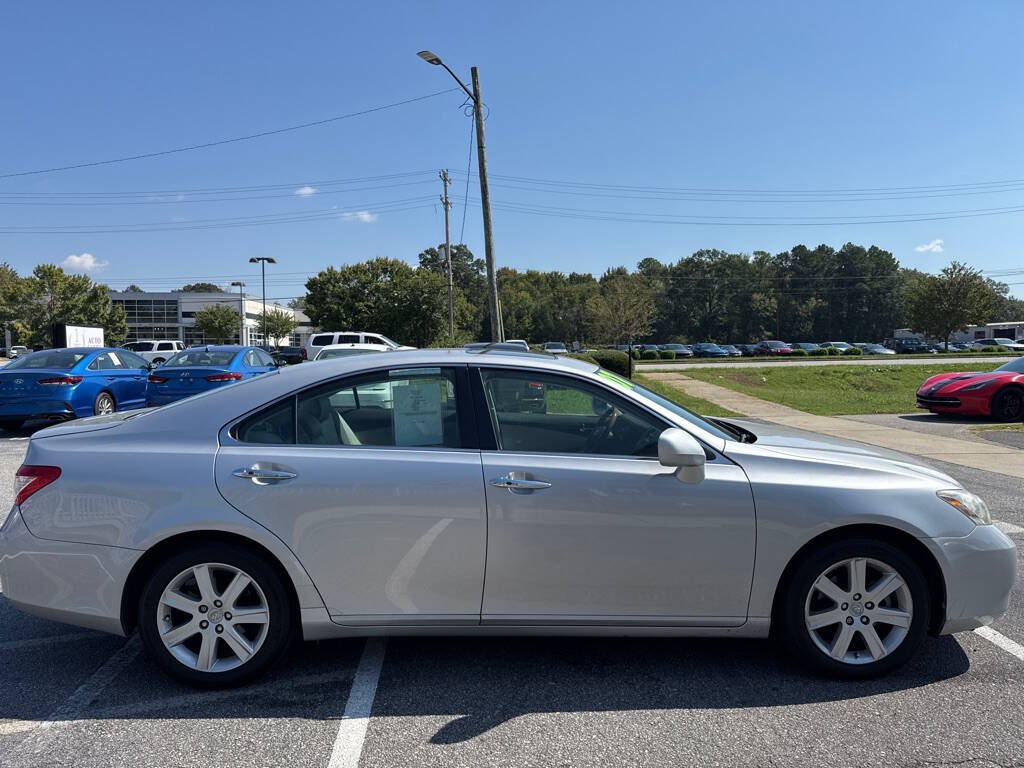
12, 425
1008, 404
98, 407
280, 626
791, 627
158, 361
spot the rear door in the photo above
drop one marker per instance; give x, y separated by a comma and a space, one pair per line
376, 487
127, 385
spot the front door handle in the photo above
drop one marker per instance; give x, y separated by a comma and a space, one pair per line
514, 483
264, 475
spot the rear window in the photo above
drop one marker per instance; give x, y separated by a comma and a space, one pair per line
58, 359
201, 357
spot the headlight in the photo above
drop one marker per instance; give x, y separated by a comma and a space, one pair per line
969, 504
977, 385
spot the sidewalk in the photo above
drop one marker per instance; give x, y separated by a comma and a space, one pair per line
990, 457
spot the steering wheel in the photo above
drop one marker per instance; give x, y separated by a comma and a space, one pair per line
602, 429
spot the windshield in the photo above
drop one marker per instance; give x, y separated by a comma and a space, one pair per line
326, 354
776, 344
203, 357
59, 359
1014, 366
386, 340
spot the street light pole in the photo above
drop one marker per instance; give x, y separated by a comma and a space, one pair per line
263, 261
241, 310
485, 197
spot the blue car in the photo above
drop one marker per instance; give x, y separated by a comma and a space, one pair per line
709, 350
62, 384
198, 369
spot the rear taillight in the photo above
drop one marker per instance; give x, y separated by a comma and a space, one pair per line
228, 376
304, 357
58, 381
154, 379
29, 479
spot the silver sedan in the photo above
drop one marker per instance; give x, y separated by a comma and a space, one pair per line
494, 492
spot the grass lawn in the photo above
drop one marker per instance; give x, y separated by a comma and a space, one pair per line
835, 390
698, 405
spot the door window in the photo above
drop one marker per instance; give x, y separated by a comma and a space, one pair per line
263, 359
322, 340
347, 338
129, 360
165, 346
403, 408
541, 413
370, 339
105, 361
250, 359
274, 425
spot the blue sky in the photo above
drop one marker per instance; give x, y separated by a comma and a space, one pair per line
708, 96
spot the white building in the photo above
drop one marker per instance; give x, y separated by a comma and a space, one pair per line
1005, 330
171, 315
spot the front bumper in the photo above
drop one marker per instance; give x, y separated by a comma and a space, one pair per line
77, 584
979, 570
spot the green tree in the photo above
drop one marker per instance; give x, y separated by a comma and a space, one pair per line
133, 288
52, 296
939, 304
198, 288
623, 309
218, 322
383, 295
280, 324
115, 327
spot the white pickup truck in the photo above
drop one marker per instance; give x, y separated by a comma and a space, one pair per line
155, 351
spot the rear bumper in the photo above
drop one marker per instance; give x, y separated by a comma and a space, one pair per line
979, 570
77, 584
37, 409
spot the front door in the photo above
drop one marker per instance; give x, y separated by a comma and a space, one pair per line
584, 524
374, 483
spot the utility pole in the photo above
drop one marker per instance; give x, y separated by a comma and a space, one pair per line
778, 305
430, 57
241, 310
448, 256
485, 205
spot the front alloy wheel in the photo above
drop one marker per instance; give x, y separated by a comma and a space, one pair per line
215, 615
855, 608
1008, 404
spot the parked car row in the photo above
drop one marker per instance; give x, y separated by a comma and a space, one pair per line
773, 347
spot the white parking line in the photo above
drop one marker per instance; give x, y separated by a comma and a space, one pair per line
348, 745
32, 642
84, 695
1001, 640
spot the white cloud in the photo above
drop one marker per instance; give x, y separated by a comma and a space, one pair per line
305, 191
84, 262
366, 217
935, 246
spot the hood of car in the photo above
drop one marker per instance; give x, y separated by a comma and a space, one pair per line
802, 444
952, 381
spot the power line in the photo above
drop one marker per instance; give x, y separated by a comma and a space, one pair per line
232, 140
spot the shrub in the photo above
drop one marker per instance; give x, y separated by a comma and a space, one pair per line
636, 353
853, 351
667, 354
992, 349
585, 356
831, 351
612, 359
799, 353
649, 354
818, 352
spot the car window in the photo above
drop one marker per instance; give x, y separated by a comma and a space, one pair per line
164, 346
250, 359
274, 425
347, 338
543, 413
201, 357
414, 407
58, 359
131, 360
322, 340
263, 358
140, 346
370, 339
105, 361
327, 354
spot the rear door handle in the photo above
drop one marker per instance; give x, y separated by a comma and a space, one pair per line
264, 475
519, 483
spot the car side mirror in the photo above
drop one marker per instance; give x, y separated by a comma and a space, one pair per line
678, 448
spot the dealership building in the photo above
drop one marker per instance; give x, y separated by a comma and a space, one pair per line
172, 316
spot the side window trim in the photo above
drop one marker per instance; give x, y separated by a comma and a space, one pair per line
468, 432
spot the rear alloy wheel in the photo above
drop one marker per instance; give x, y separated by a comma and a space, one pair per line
215, 616
104, 404
1008, 405
855, 609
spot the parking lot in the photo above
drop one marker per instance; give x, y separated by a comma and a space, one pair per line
75, 697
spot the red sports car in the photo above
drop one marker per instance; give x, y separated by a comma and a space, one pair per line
999, 393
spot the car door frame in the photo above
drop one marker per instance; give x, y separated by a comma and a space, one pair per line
488, 443
468, 432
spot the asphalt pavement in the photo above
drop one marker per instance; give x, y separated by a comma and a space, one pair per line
75, 697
